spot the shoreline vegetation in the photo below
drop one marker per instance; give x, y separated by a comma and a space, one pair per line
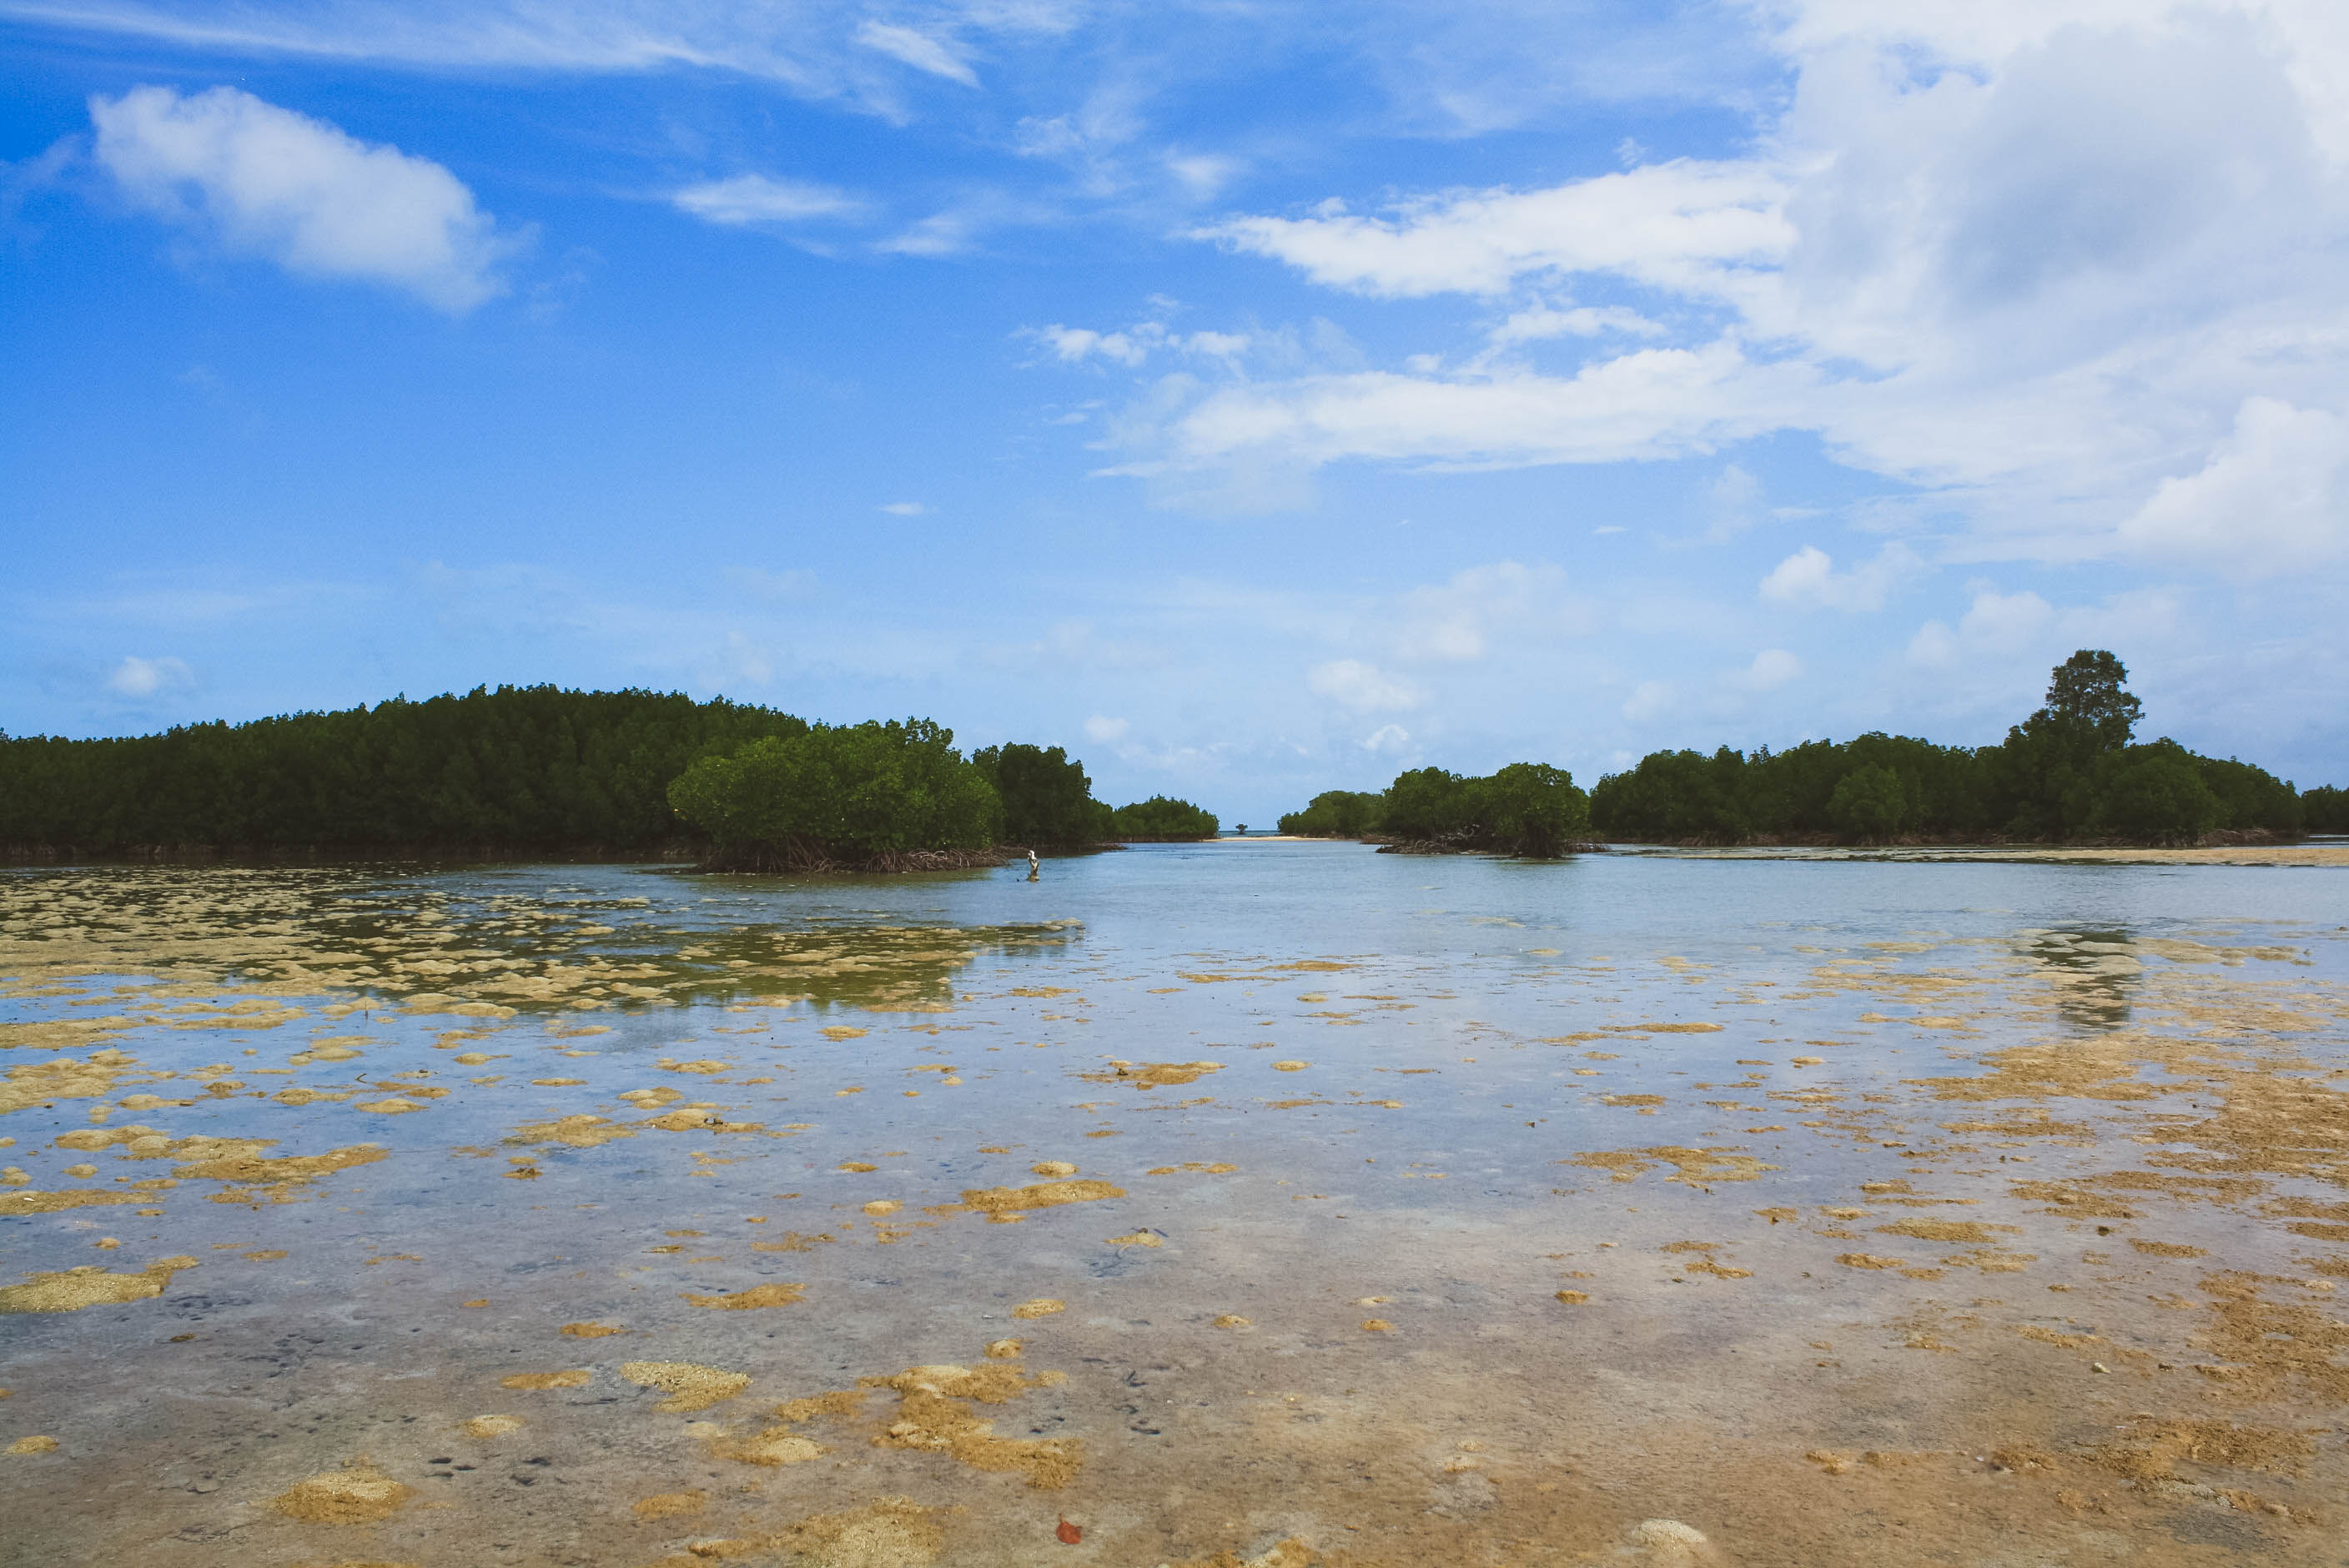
539, 772
2071, 774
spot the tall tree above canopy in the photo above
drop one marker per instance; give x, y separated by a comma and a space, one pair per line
2089, 691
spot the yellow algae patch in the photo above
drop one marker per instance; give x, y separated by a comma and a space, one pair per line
1377, 1325
772, 1448
1808, 1061
934, 1413
1043, 1195
889, 1533
62, 1077
857, 1167
90, 1285
590, 1330
2165, 1248
235, 1160
1946, 1230
556, 1083
1053, 1168
22, 1202
1138, 1239
691, 1118
668, 1504
34, 1445
690, 1388
1004, 1350
1232, 1320
1218, 1168
880, 1206
357, 1494
491, 1426
1645, 1104
577, 1378
579, 1131
395, 1106
704, 1067
1869, 1261
1152, 1075
1692, 1167
844, 1032
651, 1099
771, 1295
1290, 1067
1574, 1297
1043, 1307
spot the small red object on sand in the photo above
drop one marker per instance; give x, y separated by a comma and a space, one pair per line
1069, 1533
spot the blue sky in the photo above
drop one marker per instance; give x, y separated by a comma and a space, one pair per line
1253, 398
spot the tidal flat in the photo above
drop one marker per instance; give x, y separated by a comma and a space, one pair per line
1274, 1205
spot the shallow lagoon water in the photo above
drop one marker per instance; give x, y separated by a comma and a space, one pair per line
1267, 1203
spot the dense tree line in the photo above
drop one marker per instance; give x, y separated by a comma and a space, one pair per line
858, 794
525, 767
1161, 819
535, 769
2073, 769
1525, 808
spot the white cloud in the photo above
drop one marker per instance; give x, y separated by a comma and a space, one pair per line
2273, 496
1363, 687
1388, 740
136, 677
907, 507
1733, 503
259, 180
2026, 260
1771, 668
1459, 621
1996, 627
745, 198
1131, 346
1103, 730
1683, 225
1545, 322
1807, 579
918, 50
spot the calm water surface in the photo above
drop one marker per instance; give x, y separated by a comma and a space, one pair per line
1263, 1204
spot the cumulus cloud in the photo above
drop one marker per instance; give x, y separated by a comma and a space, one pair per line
259, 180
2273, 496
1103, 730
1388, 740
907, 507
2034, 262
746, 199
1807, 579
1363, 687
138, 679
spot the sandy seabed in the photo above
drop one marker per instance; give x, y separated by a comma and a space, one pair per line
356, 1222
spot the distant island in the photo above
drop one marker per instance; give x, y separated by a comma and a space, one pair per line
540, 771
2072, 773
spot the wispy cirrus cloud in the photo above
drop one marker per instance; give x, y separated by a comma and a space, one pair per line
743, 200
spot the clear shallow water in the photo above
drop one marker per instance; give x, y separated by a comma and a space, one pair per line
1841, 1159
